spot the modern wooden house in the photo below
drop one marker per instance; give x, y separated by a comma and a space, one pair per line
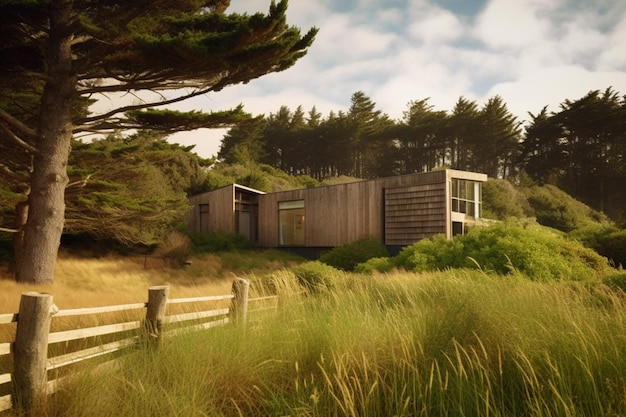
398, 211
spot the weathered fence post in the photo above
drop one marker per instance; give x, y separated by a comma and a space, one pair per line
239, 310
31, 351
155, 313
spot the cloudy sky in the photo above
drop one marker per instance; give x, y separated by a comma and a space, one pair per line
532, 53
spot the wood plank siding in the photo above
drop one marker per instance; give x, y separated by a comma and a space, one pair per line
213, 211
396, 210
415, 212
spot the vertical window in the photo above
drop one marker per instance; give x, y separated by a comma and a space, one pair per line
467, 197
291, 223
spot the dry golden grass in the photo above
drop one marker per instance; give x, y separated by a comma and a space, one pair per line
81, 282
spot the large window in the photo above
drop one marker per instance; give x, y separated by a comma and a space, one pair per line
467, 197
291, 223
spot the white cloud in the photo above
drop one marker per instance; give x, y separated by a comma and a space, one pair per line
552, 86
431, 24
614, 55
514, 24
531, 52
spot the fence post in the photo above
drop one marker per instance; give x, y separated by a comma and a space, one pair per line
31, 351
155, 313
239, 310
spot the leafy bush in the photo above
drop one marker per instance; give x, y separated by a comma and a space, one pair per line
347, 257
555, 208
605, 239
383, 264
316, 276
218, 242
504, 248
616, 280
502, 199
613, 246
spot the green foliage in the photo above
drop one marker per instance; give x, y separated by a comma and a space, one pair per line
315, 276
551, 209
505, 248
383, 264
613, 246
616, 280
256, 180
502, 200
129, 189
218, 242
347, 257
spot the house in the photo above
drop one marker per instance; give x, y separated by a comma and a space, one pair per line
397, 211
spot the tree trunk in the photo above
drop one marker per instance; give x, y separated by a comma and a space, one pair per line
46, 206
21, 214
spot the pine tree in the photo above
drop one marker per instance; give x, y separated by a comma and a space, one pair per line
57, 55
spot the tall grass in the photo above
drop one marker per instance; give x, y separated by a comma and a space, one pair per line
459, 343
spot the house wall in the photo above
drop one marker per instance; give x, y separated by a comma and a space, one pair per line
339, 214
397, 210
221, 213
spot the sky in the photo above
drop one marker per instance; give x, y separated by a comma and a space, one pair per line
532, 53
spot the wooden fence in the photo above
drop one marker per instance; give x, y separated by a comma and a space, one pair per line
47, 344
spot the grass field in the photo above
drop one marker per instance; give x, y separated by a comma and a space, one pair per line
455, 343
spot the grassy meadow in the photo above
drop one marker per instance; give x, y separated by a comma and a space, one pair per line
455, 343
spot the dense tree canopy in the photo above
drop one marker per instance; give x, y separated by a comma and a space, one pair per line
579, 148
57, 56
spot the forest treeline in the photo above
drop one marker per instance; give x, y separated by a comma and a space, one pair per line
579, 148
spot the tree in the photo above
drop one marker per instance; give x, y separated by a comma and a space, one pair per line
464, 133
421, 134
130, 190
496, 149
581, 149
56, 55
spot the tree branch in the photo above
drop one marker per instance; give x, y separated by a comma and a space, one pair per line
20, 127
13, 175
90, 120
28, 147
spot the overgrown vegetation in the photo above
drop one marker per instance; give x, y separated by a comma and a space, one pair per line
504, 248
347, 257
462, 343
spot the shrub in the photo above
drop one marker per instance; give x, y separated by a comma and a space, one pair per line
504, 248
175, 249
605, 239
555, 208
613, 246
431, 254
347, 257
383, 264
616, 280
316, 276
218, 242
502, 200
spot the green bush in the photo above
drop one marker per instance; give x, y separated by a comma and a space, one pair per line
218, 242
605, 239
555, 208
616, 280
347, 257
504, 248
316, 276
383, 264
613, 246
502, 199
